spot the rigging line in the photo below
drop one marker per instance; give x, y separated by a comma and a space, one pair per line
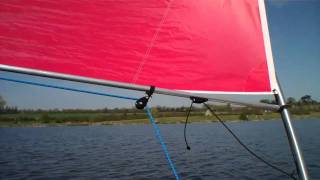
185, 127
156, 128
163, 145
67, 88
245, 147
154, 38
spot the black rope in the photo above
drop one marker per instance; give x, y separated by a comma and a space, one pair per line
185, 127
197, 100
245, 147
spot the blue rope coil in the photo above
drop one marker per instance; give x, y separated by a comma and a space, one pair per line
148, 110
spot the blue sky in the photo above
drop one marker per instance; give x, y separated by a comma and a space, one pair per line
295, 36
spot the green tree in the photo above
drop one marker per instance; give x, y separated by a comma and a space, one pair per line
306, 99
291, 100
243, 116
2, 103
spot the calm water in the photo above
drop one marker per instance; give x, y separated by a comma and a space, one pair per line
132, 152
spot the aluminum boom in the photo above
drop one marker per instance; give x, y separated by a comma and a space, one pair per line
129, 86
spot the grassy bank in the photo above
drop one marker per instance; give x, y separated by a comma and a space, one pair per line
68, 119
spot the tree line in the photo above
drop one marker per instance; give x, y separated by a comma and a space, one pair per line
305, 104
304, 100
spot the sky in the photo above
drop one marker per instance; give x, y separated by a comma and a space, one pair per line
294, 27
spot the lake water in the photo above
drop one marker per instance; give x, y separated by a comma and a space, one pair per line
133, 152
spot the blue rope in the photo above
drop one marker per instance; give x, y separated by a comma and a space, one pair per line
164, 147
155, 127
67, 88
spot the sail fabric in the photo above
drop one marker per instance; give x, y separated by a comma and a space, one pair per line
199, 46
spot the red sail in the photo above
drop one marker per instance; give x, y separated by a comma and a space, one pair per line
194, 45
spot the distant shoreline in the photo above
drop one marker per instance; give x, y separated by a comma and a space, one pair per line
163, 120
305, 108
